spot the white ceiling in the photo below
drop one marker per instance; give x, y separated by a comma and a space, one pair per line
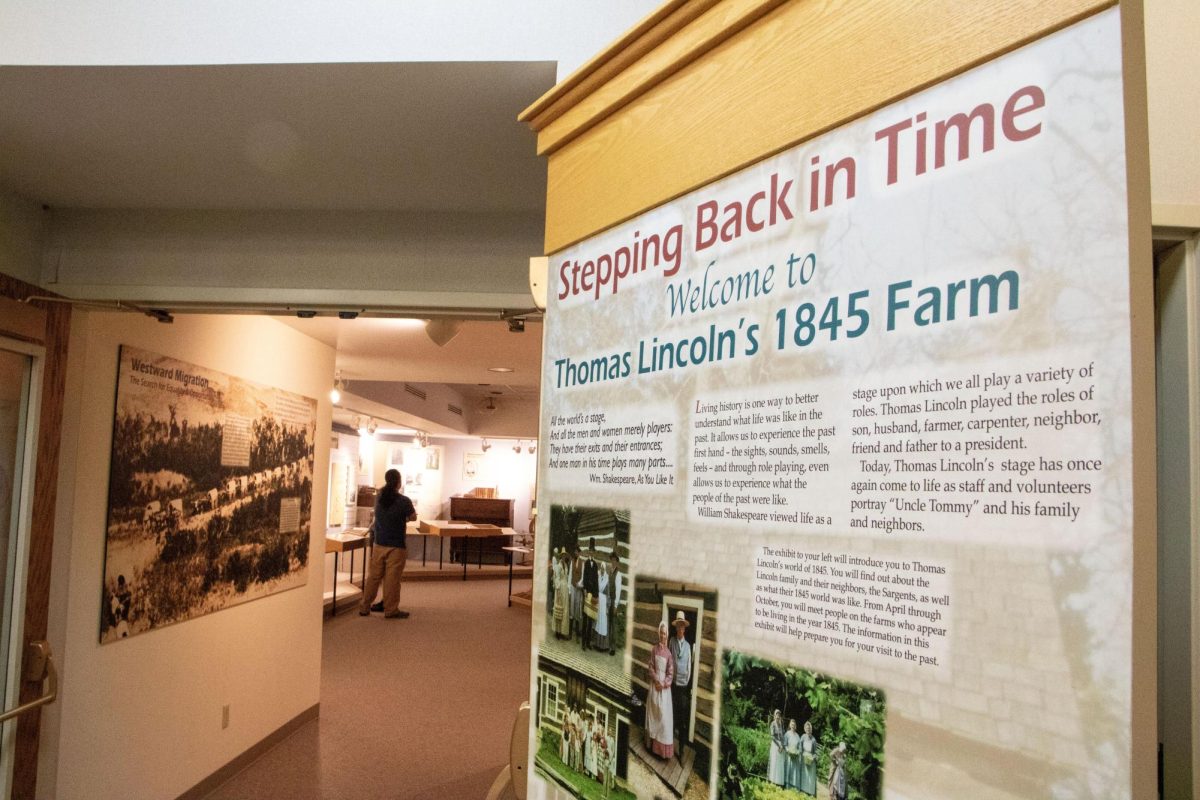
397, 136
400, 350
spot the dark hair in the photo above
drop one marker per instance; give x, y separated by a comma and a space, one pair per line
391, 488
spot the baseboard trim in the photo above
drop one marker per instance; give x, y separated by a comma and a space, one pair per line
210, 784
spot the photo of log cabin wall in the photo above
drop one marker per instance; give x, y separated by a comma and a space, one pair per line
583, 733
587, 593
209, 496
674, 670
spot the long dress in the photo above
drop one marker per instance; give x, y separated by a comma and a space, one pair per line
807, 781
791, 751
576, 580
575, 743
562, 600
659, 713
777, 761
602, 761
589, 750
610, 766
601, 638
837, 779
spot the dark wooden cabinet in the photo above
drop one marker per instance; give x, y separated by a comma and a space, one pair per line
489, 510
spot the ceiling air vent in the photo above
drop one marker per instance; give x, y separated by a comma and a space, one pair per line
414, 391
453, 409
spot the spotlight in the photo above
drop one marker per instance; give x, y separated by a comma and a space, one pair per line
516, 325
306, 313
532, 448
347, 315
372, 426
486, 446
160, 314
356, 423
335, 394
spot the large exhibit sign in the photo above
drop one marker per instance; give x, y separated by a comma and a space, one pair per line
872, 394
209, 494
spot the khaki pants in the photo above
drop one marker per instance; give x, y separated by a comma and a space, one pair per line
387, 566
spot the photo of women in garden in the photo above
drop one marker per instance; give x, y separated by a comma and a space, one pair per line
788, 733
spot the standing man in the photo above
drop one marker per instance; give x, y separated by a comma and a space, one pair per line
681, 688
393, 512
576, 589
591, 594
613, 599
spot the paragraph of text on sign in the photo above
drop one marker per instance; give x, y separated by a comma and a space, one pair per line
887, 607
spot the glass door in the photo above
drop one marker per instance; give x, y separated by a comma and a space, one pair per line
20, 385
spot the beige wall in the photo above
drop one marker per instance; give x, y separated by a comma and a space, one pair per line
1173, 88
22, 233
141, 718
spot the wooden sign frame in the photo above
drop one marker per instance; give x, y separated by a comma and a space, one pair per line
702, 88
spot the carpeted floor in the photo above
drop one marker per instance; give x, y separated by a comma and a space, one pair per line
415, 708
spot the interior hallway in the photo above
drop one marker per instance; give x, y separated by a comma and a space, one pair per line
415, 708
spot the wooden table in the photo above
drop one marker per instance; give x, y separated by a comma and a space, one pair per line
470, 530
346, 542
512, 555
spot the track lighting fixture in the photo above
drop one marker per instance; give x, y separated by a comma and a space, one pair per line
335, 394
486, 446
517, 447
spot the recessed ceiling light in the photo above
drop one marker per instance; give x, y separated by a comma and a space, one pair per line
500, 369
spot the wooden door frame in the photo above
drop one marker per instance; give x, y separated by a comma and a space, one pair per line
48, 325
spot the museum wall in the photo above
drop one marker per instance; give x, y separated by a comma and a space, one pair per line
351, 257
142, 717
513, 475
22, 230
1173, 70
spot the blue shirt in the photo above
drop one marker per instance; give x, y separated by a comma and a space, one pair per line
682, 650
391, 523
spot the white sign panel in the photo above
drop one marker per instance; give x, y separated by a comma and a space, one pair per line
862, 410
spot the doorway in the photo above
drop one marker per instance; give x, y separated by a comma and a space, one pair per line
20, 394
1177, 327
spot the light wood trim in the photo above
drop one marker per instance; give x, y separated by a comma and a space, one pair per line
802, 69
609, 55
22, 321
1143, 720
56, 319
663, 50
